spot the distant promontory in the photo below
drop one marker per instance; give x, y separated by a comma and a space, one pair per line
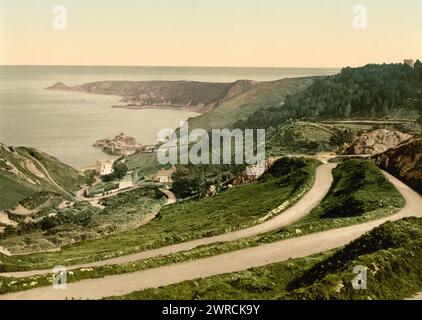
190, 95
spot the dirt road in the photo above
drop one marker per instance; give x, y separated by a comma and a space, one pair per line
418, 296
323, 179
52, 180
229, 262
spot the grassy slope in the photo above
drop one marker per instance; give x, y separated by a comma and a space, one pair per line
358, 188
260, 97
81, 222
315, 224
18, 182
12, 190
144, 164
393, 255
68, 177
229, 210
392, 252
299, 137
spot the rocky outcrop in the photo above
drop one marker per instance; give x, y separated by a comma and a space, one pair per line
404, 161
195, 96
375, 142
121, 144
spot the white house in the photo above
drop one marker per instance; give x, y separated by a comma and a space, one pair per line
104, 167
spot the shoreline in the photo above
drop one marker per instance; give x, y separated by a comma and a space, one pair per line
167, 107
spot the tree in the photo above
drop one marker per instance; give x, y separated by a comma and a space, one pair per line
120, 170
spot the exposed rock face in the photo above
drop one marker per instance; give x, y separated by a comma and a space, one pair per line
375, 142
404, 162
121, 144
253, 172
195, 96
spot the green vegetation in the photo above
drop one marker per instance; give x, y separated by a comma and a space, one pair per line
10, 264
392, 252
38, 199
101, 188
68, 177
89, 177
196, 95
82, 222
229, 210
119, 172
299, 137
12, 191
264, 283
262, 96
21, 176
358, 188
191, 179
372, 91
144, 165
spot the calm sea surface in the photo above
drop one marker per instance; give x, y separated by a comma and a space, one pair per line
66, 124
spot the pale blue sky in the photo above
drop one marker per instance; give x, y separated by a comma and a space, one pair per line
289, 33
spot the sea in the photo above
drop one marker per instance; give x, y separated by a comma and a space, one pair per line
66, 124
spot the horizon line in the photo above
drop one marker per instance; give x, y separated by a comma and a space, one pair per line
163, 66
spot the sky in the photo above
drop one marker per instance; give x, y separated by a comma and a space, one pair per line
261, 33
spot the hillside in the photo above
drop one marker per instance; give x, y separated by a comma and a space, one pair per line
358, 188
22, 173
392, 253
233, 209
375, 142
260, 97
404, 162
373, 91
51, 226
195, 96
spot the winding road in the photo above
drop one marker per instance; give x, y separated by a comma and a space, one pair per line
323, 180
232, 261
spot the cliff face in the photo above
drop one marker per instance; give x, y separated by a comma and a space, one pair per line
376, 142
196, 96
404, 162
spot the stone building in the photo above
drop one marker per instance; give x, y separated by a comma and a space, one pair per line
104, 167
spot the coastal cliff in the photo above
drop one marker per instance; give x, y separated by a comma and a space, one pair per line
195, 96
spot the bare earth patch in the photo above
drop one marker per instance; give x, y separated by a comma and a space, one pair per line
4, 219
33, 169
22, 211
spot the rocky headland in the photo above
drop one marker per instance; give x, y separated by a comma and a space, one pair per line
121, 145
191, 95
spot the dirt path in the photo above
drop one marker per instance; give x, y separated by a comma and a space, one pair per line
418, 296
5, 252
171, 198
229, 262
323, 179
54, 182
4, 219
